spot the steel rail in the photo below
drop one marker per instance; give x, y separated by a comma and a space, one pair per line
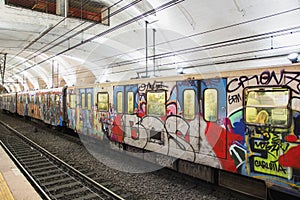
43, 150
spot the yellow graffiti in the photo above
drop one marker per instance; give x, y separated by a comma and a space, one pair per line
272, 147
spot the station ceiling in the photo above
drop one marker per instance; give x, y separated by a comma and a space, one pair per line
48, 45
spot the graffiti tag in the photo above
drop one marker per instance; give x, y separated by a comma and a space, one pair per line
155, 86
234, 98
265, 78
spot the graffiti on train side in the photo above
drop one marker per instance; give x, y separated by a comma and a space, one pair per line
234, 98
155, 86
140, 132
266, 150
284, 78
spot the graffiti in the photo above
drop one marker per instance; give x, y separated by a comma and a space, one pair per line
265, 78
268, 150
187, 83
212, 82
234, 99
155, 86
272, 166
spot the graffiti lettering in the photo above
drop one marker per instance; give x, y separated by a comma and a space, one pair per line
272, 166
273, 147
156, 85
265, 78
234, 98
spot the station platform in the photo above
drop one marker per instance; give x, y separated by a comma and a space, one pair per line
13, 184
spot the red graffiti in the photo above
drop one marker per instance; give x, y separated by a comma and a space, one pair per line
290, 158
216, 136
117, 132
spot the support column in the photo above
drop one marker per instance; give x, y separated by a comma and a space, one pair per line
62, 7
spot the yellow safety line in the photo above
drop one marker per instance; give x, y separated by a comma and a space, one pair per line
4, 190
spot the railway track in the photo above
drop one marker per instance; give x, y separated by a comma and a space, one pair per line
52, 177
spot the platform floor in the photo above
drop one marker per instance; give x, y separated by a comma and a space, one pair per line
13, 184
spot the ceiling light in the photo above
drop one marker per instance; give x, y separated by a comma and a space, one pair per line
293, 57
180, 70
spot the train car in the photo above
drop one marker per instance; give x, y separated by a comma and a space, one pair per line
50, 106
244, 122
46, 105
9, 102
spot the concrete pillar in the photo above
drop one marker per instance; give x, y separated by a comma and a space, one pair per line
62, 7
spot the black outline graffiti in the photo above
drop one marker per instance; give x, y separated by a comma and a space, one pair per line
265, 78
155, 86
234, 98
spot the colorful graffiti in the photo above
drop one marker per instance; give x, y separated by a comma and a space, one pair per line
266, 151
238, 146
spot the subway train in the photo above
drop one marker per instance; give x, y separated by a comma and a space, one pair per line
242, 126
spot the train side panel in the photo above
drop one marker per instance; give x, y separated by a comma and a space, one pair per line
153, 116
264, 110
9, 102
22, 101
49, 106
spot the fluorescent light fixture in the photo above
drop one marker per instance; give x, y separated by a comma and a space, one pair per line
293, 57
180, 70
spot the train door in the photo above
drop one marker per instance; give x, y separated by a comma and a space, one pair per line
186, 127
129, 118
119, 106
85, 124
125, 104
213, 94
71, 108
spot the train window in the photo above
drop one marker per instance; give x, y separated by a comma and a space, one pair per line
266, 106
50, 100
83, 106
102, 101
57, 100
130, 102
31, 99
120, 102
156, 103
47, 100
211, 105
38, 99
72, 98
42, 99
189, 104
89, 101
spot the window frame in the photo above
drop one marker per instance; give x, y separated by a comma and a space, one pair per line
104, 93
147, 102
194, 103
217, 105
89, 99
118, 104
83, 101
72, 101
269, 108
130, 105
